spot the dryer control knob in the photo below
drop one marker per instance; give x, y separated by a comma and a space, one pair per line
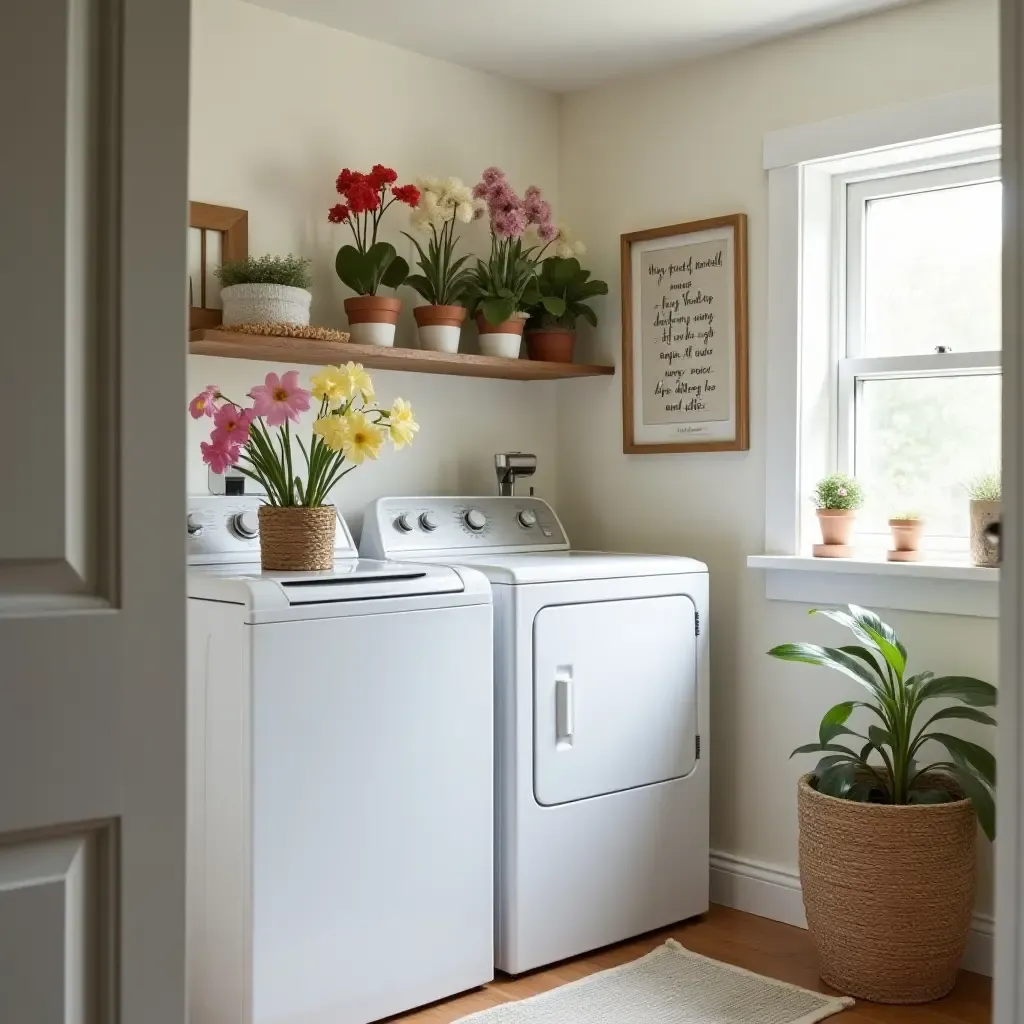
428, 521
246, 524
194, 527
475, 519
404, 523
527, 518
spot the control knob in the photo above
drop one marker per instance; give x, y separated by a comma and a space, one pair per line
194, 527
475, 519
428, 521
404, 523
246, 524
527, 518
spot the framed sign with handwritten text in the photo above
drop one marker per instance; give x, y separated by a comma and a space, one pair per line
684, 338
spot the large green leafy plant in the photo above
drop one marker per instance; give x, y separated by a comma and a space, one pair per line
557, 297
884, 763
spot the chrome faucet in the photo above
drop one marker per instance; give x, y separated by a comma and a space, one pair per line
509, 466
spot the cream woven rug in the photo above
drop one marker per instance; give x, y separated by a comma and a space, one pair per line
670, 985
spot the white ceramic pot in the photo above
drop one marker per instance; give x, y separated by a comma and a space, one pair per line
381, 335
265, 304
439, 338
505, 345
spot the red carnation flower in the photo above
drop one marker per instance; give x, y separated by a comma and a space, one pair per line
407, 194
362, 196
338, 213
346, 180
380, 176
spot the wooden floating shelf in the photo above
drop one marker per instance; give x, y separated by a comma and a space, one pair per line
209, 342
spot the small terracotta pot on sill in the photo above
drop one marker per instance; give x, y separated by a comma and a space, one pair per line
440, 327
372, 319
906, 540
551, 344
836, 529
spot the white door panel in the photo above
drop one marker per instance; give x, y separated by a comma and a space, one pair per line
615, 696
93, 208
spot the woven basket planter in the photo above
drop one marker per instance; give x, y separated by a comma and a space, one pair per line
265, 303
888, 892
297, 539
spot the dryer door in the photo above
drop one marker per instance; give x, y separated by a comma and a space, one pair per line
615, 696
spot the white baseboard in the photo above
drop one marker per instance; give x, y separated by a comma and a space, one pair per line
775, 893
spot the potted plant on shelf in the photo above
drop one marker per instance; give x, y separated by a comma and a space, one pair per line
265, 290
986, 494
906, 530
836, 499
887, 834
444, 280
499, 283
297, 526
555, 300
370, 264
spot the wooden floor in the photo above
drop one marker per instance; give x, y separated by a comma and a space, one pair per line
773, 949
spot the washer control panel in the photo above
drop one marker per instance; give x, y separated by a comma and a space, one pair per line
397, 526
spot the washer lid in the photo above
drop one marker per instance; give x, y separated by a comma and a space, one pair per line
562, 566
351, 579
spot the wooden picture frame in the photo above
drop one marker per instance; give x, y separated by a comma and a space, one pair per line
233, 226
672, 367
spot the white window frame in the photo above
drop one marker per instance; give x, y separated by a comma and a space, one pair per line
810, 170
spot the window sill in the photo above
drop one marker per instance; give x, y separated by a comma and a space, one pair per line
948, 588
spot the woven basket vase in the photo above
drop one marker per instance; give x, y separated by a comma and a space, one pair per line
297, 539
889, 892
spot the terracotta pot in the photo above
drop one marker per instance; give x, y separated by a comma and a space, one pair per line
504, 339
983, 514
440, 327
906, 540
372, 319
551, 344
297, 539
836, 525
889, 892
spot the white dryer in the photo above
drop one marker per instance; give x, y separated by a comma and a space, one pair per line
601, 705
340, 781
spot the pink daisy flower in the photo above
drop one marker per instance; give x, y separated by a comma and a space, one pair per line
202, 404
231, 425
219, 456
280, 399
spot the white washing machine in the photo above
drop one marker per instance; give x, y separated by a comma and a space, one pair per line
601, 704
340, 781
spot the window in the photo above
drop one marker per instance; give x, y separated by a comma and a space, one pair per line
918, 405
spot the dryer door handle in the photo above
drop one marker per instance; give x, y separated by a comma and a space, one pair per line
564, 707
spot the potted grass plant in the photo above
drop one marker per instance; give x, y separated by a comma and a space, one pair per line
888, 818
986, 494
555, 300
836, 500
265, 290
297, 525
370, 264
906, 527
444, 279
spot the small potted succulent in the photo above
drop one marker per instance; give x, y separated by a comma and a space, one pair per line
986, 494
444, 280
499, 283
888, 818
369, 265
265, 290
906, 530
555, 300
836, 499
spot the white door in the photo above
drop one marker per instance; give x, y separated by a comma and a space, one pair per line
93, 124
615, 696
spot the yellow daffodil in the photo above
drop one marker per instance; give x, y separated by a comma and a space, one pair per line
331, 383
402, 426
333, 430
358, 380
363, 439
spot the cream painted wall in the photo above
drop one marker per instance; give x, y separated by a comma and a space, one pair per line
684, 144
279, 106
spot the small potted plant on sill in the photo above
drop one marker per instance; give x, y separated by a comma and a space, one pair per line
499, 283
297, 526
370, 264
887, 832
986, 494
906, 528
555, 300
265, 290
444, 281
836, 498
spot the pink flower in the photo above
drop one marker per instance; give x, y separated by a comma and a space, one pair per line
538, 212
493, 175
547, 232
509, 224
502, 199
202, 404
231, 425
219, 456
280, 399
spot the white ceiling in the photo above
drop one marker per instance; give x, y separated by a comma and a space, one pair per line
568, 44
